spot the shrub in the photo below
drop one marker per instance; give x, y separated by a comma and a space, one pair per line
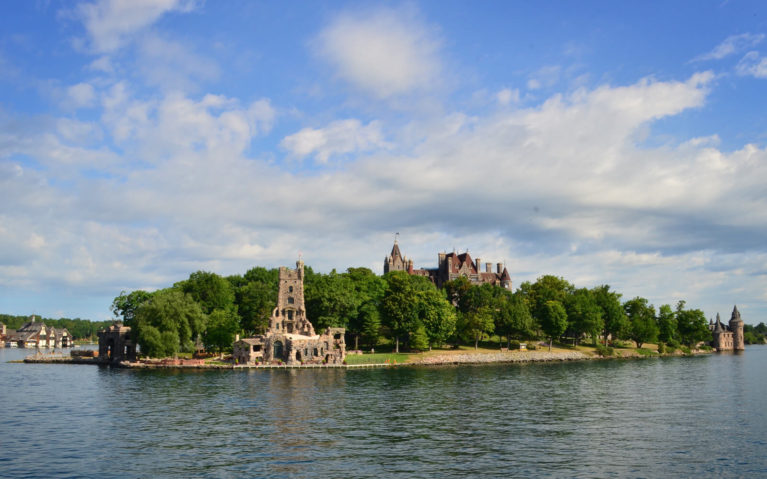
661, 348
645, 352
531, 346
514, 344
706, 347
685, 350
605, 351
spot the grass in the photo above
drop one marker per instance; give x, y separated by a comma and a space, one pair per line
377, 358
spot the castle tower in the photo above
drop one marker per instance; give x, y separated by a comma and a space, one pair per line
289, 317
719, 335
736, 326
395, 261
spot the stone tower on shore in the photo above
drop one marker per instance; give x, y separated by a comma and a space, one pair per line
730, 337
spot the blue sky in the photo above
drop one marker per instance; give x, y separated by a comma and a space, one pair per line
606, 142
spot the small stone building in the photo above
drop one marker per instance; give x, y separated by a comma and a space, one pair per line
291, 338
728, 337
115, 344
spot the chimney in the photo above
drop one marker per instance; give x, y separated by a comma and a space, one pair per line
499, 267
488, 267
479, 265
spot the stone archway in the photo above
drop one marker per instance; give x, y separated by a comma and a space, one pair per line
277, 350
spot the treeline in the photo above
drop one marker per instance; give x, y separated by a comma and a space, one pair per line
78, 328
407, 311
755, 334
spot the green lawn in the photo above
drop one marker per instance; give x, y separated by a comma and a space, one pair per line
376, 358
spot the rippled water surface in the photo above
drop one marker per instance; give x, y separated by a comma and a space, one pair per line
676, 417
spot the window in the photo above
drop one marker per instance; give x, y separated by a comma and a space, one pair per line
291, 300
290, 289
290, 314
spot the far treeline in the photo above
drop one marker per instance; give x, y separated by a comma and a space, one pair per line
405, 311
78, 328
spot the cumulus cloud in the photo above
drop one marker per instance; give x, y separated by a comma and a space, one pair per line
81, 95
110, 24
383, 52
168, 65
339, 137
752, 64
507, 96
732, 45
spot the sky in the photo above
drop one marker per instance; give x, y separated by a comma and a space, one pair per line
620, 143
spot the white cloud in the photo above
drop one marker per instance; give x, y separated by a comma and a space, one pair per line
81, 95
169, 66
752, 65
507, 96
383, 53
732, 45
339, 137
110, 24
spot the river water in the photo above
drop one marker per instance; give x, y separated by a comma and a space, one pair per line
674, 417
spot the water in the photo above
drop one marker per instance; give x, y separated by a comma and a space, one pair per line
675, 417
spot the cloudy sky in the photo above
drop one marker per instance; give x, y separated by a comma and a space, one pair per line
607, 142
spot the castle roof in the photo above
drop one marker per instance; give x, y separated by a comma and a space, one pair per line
395, 253
505, 276
735, 315
718, 328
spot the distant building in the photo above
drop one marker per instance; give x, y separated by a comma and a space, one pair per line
451, 266
728, 337
35, 334
291, 338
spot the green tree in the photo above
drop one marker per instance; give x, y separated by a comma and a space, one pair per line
369, 288
126, 304
513, 318
643, 328
667, 330
476, 323
691, 325
399, 306
331, 301
221, 328
255, 303
584, 314
437, 316
546, 288
210, 290
168, 323
613, 316
553, 320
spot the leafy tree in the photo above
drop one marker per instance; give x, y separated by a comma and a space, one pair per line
369, 288
399, 306
419, 339
221, 328
691, 325
553, 320
512, 317
331, 301
437, 316
456, 289
476, 323
169, 322
255, 303
126, 305
613, 316
546, 288
643, 328
584, 314
667, 329
210, 290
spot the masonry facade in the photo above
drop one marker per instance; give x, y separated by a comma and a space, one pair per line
451, 266
291, 338
728, 337
116, 345
35, 334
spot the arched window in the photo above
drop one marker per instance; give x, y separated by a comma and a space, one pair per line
290, 289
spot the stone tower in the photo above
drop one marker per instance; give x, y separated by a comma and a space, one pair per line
395, 261
736, 326
289, 317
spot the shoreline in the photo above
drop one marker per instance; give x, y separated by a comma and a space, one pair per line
456, 358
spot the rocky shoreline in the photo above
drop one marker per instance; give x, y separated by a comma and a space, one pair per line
503, 357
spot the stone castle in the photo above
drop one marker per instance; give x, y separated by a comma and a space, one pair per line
291, 338
449, 267
728, 337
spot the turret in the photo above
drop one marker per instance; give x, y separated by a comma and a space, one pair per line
736, 326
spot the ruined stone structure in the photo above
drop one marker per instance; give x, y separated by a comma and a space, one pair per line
35, 334
728, 337
115, 344
291, 338
449, 267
